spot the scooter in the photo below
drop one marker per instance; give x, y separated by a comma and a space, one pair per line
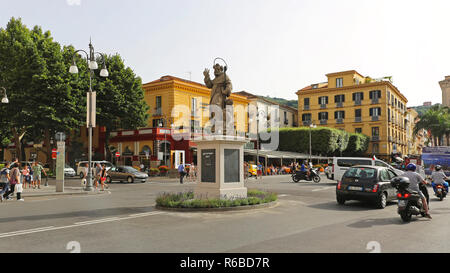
440, 192
409, 202
313, 176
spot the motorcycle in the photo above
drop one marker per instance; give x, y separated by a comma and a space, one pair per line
313, 176
440, 192
409, 202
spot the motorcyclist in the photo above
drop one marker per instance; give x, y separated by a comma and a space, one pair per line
438, 178
415, 180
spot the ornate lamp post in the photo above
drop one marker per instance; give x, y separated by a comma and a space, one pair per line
92, 65
5, 98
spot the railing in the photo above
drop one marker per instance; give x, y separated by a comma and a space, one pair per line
375, 101
358, 119
323, 106
357, 102
306, 107
323, 122
375, 118
306, 122
339, 120
339, 104
375, 138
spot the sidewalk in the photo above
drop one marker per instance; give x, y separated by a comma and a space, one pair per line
51, 191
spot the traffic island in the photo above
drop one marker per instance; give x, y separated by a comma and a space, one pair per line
186, 202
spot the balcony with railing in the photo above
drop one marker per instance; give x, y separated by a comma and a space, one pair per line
357, 102
375, 138
323, 122
306, 107
306, 122
375, 101
375, 118
358, 119
339, 104
323, 106
339, 121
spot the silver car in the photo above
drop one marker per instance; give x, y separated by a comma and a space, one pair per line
125, 173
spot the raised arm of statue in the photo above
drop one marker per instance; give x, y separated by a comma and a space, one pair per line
207, 80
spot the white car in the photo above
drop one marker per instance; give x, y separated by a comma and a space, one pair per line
69, 171
342, 164
82, 167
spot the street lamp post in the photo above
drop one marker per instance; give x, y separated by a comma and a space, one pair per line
5, 98
92, 65
312, 125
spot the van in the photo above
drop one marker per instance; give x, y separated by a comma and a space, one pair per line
342, 164
82, 167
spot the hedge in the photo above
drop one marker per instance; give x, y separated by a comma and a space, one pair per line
324, 141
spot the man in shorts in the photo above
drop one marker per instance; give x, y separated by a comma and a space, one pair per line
37, 173
415, 179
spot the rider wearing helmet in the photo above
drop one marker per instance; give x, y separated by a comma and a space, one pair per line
438, 177
415, 180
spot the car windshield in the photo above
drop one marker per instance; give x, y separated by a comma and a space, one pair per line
130, 169
361, 173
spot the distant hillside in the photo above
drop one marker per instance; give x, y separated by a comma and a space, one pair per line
291, 103
422, 109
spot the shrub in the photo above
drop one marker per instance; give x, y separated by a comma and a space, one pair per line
186, 200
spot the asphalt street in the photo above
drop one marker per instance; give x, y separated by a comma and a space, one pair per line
306, 219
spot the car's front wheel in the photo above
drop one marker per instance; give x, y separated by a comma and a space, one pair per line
130, 179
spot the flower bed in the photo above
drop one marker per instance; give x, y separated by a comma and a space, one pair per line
186, 200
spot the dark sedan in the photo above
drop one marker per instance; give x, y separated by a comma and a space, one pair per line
125, 173
366, 183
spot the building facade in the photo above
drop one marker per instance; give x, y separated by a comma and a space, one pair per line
445, 86
358, 104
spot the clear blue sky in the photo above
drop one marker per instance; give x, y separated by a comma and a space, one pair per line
272, 47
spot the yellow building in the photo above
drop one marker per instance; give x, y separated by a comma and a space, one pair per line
354, 103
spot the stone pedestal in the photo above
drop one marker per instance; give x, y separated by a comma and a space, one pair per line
220, 168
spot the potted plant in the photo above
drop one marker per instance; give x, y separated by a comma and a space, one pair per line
163, 170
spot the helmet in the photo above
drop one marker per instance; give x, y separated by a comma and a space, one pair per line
400, 181
411, 167
438, 167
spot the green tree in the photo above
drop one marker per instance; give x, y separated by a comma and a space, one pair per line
120, 100
437, 121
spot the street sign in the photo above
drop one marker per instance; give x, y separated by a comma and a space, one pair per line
117, 154
54, 153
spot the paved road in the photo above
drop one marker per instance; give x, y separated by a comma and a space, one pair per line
307, 219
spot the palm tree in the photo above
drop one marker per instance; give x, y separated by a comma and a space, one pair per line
437, 121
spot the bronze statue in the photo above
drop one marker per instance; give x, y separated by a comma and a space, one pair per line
220, 90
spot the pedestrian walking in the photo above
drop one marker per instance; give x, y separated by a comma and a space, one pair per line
4, 180
181, 171
102, 176
192, 172
97, 172
26, 178
37, 174
14, 179
259, 171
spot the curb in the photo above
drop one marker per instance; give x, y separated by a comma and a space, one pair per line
240, 208
60, 194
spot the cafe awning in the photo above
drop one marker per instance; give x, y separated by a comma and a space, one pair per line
282, 154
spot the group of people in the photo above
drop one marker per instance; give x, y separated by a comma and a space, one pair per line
15, 179
189, 171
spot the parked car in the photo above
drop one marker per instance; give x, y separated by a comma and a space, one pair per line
252, 170
125, 173
69, 171
342, 164
367, 183
82, 167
